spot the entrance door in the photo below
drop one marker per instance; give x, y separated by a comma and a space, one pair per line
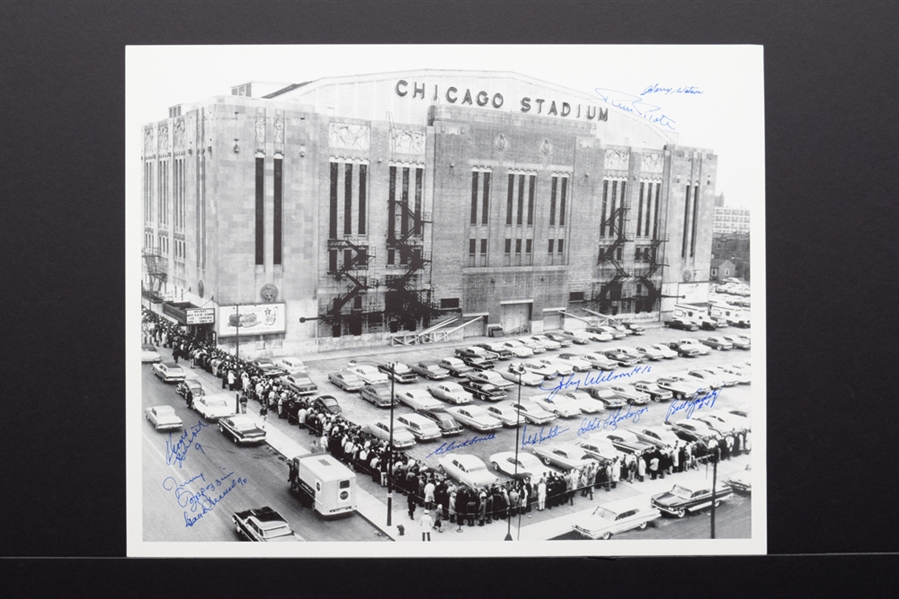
516, 318
552, 321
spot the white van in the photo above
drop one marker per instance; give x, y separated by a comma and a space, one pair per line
320, 480
291, 365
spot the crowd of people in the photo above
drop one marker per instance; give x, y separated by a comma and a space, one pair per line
444, 499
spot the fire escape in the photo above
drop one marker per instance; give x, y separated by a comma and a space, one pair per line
405, 303
156, 269
356, 257
610, 256
654, 291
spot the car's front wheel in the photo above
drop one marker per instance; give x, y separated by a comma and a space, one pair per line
546, 461
681, 513
496, 466
606, 536
643, 525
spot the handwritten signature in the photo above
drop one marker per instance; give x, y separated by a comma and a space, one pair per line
539, 437
611, 421
177, 451
602, 377
634, 104
448, 447
204, 499
655, 88
690, 405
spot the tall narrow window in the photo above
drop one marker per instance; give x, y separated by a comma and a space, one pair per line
363, 175
419, 175
552, 245
332, 261
391, 206
404, 212
612, 208
528, 246
472, 246
640, 210
507, 246
510, 199
485, 210
474, 197
563, 201
695, 220
561, 248
532, 183
621, 212
655, 219
517, 246
518, 220
260, 210
552, 202
605, 200
483, 252
276, 230
332, 227
683, 249
348, 198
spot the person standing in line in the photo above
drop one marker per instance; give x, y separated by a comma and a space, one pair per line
616, 472
263, 411
426, 524
541, 494
243, 403
654, 467
189, 398
410, 503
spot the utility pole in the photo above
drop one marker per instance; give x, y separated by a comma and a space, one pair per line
390, 456
714, 483
518, 370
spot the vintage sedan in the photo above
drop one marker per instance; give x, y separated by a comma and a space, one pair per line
616, 517
657, 349
631, 394
213, 407
369, 374
704, 350
467, 469
599, 361
648, 352
563, 455
479, 362
707, 377
475, 351
327, 403
562, 340
625, 441
484, 391
661, 437
378, 394
537, 348
635, 328
545, 341
691, 429
430, 370
576, 337
445, 422
621, 358
632, 352
739, 341
598, 447
561, 367
684, 324
717, 343
585, 403
195, 386
538, 368
734, 375
455, 367
526, 466
269, 369
742, 480
680, 389
423, 429
417, 399
560, 405
656, 393
450, 392
527, 378
263, 525
609, 398
148, 353
505, 413
615, 333
402, 438
168, 372
163, 418
291, 365
398, 371
475, 417
242, 429
517, 349
346, 380
501, 351
299, 384
493, 378
532, 413
577, 363
722, 422
597, 334
690, 496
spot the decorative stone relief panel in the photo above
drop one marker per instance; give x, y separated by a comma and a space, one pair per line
404, 141
617, 160
652, 163
350, 137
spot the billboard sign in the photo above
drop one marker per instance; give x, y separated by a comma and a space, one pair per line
251, 319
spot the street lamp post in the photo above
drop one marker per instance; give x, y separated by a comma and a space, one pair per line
390, 448
518, 369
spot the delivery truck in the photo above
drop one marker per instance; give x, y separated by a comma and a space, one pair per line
323, 483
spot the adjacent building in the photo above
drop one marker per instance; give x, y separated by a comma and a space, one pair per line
344, 211
731, 220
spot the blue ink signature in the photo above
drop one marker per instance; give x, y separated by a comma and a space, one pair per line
697, 403
602, 377
203, 500
448, 447
656, 89
635, 105
538, 437
177, 451
611, 421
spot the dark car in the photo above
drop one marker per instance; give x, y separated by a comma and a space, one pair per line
474, 351
455, 367
263, 525
479, 363
627, 442
327, 402
502, 353
268, 368
689, 497
399, 372
378, 394
484, 391
445, 422
242, 429
637, 329
430, 371
681, 323
609, 398
686, 350
623, 358
196, 388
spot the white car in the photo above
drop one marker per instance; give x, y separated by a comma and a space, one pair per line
563, 455
291, 365
545, 341
168, 372
632, 352
616, 517
596, 334
467, 469
703, 350
539, 369
599, 448
657, 349
505, 413
728, 379
560, 366
536, 348
659, 436
576, 337
577, 363
650, 353
527, 466
740, 376
402, 438
599, 361
423, 429
163, 418
213, 407
475, 417
532, 413
417, 399
450, 392
527, 378
559, 405
710, 379
518, 350
148, 353
493, 378
584, 402
369, 374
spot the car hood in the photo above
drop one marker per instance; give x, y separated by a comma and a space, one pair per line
169, 419
667, 499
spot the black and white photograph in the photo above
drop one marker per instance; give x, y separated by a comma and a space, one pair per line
410, 301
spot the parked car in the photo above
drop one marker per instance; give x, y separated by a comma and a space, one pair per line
610, 330
609, 398
527, 378
505, 413
615, 517
598, 447
423, 429
195, 386
346, 380
537, 348
369, 374
622, 358
148, 353
585, 403
733, 374
738, 341
683, 324
631, 394
169, 372
598, 334
635, 328
269, 369
475, 417
402, 438
625, 441
742, 480
559, 338
706, 376
263, 525
689, 496
379, 395
291, 365
577, 363
213, 407
163, 418
450, 392
600, 361
533, 413
691, 429
689, 348
719, 343
492, 377
560, 405
658, 436
680, 389
561, 367
445, 422
242, 429
563, 455
498, 349
484, 391
545, 341
399, 372
657, 349
517, 349
479, 363
526, 466
430, 371
576, 337
721, 422
417, 399
299, 383
539, 368
475, 352
467, 469
455, 367
656, 393
327, 403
